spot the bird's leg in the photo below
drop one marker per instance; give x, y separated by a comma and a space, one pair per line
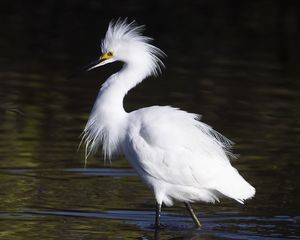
157, 216
157, 234
193, 215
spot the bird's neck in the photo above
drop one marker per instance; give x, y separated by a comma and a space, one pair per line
107, 123
115, 88
108, 109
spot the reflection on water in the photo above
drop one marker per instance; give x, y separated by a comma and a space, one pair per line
245, 85
93, 203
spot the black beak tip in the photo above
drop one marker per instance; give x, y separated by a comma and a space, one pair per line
84, 69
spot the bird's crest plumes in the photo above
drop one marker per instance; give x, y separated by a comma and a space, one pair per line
126, 34
121, 30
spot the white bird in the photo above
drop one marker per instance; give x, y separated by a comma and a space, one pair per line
176, 155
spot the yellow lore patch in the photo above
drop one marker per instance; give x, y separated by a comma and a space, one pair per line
107, 55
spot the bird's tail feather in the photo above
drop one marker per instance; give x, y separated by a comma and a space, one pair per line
233, 185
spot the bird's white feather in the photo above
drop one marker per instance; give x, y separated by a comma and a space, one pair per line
172, 150
177, 155
121, 34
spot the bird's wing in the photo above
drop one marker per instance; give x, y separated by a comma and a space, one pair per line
171, 145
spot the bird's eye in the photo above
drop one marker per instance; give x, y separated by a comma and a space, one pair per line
109, 54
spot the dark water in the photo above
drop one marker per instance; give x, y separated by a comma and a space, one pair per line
237, 65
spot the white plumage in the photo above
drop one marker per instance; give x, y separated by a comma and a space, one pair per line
176, 155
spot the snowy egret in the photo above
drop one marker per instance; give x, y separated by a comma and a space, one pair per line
174, 153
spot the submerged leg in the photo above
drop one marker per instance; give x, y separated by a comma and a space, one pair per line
157, 216
193, 215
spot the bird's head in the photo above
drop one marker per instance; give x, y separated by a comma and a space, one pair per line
124, 42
